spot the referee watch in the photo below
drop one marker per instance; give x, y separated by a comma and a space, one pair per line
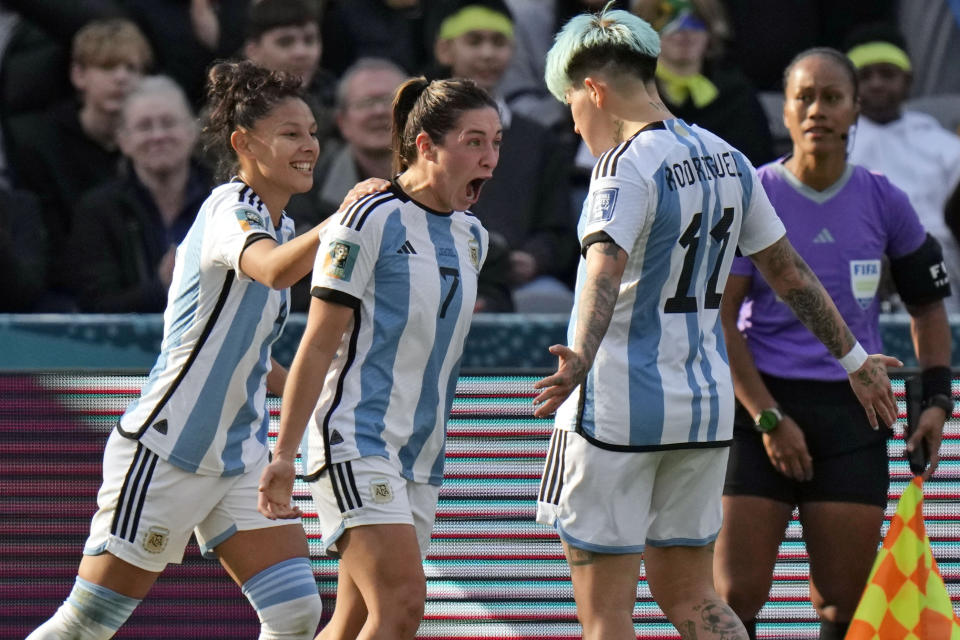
767, 420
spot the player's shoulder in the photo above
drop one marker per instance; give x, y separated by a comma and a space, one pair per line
371, 209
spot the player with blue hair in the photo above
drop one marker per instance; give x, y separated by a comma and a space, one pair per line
643, 395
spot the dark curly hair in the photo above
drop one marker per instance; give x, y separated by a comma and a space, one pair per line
238, 95
431, 107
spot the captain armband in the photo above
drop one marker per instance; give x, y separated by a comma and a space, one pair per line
921, 276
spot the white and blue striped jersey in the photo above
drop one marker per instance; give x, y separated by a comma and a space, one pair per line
203, 407
410, 274
679, 200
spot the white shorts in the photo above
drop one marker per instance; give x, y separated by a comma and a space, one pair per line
619, 502
370, 490
148, 507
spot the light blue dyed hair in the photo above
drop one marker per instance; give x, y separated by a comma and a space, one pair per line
590, 41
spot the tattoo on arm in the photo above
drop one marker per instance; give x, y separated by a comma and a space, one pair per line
809, 300
598, 298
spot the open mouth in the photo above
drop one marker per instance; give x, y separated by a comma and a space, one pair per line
473, 189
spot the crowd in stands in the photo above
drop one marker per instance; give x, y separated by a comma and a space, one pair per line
101, 173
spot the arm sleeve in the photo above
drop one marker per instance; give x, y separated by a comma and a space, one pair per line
761, 226
345, 262
234, 227
618, 207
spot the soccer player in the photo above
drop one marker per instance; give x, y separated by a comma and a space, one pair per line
394, 288
186, 456
799, 437
643, 394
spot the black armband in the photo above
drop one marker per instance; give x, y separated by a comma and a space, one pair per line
594, 238
921, 276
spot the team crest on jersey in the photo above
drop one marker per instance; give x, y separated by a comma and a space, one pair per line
474, 247
249, 219
339, 260
602, 203
155, 539
864, 281
381, 491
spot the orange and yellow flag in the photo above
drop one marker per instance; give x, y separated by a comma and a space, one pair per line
905, 598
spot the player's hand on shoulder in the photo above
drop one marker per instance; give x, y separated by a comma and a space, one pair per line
275, 496
570, 373
365, 188
787, 449
872, 388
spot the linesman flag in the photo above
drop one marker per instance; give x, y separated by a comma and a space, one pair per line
905, 598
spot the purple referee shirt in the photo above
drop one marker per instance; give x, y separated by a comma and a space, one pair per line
842, 232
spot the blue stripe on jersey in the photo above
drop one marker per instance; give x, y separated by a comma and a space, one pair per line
184, 303
643, 341
436, 471
716, 214
391, 308
692, 320
200, 427
451, 297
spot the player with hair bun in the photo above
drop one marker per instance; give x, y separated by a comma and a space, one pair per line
185, 456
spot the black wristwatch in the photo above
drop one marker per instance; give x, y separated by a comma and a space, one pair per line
767, 420
942, 401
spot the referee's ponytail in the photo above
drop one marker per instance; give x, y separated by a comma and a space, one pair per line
433, 108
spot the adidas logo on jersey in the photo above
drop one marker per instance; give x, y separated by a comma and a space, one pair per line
407, 248
161, 426
824, 237
335, 437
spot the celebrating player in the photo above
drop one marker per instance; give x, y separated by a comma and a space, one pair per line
186, 456
638, 455
394, 287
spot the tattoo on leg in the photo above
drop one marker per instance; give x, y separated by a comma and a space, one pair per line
688, 630
579, 557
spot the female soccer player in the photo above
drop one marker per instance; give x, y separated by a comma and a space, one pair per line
394, 287
185, 457
800, 437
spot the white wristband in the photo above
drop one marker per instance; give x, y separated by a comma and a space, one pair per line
854, 358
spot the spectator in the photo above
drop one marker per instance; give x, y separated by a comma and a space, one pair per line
363, 101
284, 35
391, 29
932, 32
535, 23
528, 200
127, 230
694, 83
189, 35
800, 438
910, 148
23, 251
63, 153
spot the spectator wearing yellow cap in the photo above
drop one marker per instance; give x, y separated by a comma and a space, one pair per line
528, 201
693, 82
911, 148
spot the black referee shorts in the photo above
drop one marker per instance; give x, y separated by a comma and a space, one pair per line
849, 458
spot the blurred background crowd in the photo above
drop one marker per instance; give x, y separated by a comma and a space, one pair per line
101, 174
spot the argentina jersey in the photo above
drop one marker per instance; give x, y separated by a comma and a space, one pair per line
203, 407
679, 200
410, 274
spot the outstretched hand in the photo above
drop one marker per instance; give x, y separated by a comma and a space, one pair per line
365, 188
929, 434
570, 373
276, 491
872, 388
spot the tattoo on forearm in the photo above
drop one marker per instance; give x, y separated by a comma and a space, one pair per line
598, 299
810, 302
